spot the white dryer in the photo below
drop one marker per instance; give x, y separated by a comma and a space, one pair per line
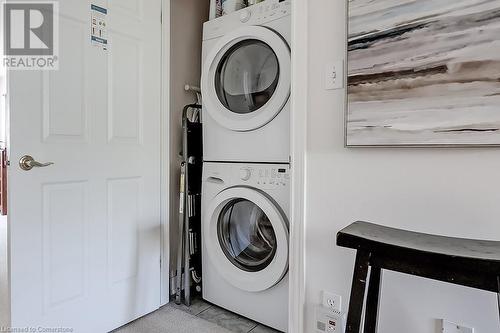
246, 239
246, 85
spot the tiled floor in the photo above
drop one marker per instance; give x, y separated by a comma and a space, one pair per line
223, 318
201, 317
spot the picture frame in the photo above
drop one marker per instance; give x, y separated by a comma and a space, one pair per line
423, 73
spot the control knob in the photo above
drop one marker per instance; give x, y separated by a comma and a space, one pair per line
245, 174
245, 15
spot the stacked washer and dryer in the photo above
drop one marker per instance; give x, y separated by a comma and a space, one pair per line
246, 171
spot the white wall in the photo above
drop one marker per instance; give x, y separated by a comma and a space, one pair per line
4, 279
186, 23
454, 192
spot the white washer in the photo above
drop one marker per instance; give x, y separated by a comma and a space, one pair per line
246, 85
246, 238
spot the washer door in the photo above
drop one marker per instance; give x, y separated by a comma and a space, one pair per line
246, 78
246, 238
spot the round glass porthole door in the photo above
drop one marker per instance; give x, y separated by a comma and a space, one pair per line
246, 238
246, 78
246, 235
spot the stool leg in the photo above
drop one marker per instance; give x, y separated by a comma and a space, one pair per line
372, 300
355, 314
498, 296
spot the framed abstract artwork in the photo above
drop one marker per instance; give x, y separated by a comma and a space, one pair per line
423, 73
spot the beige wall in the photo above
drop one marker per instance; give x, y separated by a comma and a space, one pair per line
187, 17
453, 192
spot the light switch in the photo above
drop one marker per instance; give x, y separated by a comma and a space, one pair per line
448, 327
334, 75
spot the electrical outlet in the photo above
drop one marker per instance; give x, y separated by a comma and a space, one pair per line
449, 327
332, 301
328, 321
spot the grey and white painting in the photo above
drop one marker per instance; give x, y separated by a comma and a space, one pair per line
423, 72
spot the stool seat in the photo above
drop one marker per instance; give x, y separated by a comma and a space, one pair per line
466, 262
374, 237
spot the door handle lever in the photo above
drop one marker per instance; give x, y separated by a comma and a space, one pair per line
27, 163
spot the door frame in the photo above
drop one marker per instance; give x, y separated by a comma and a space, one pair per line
298, 126
165, 155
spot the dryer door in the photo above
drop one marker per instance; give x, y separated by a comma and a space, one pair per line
246, 78
246, 238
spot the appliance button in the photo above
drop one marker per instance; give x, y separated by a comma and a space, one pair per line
245, 16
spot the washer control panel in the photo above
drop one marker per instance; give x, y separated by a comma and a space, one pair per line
265, 177
269, 10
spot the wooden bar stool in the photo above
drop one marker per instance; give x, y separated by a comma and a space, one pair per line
466, 262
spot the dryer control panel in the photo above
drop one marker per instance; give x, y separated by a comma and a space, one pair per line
258, 15
265, 177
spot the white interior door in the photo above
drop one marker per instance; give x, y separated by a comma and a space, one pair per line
85, 231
